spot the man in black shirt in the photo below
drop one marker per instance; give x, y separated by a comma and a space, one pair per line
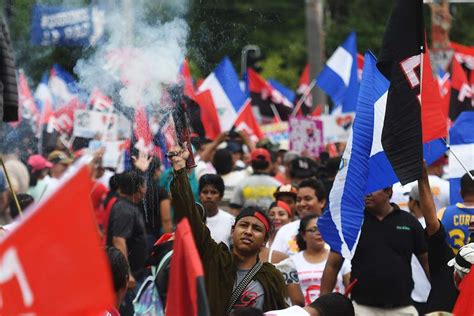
126, 230
382, 261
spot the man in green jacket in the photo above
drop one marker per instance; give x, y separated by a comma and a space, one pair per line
225, 269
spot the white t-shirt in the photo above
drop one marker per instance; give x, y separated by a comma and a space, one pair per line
310, 275
290, 311
285, 239
231, 180
220, 226
422, 286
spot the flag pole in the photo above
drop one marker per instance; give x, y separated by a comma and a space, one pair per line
11, 187
275, 112
459, 160
303, 97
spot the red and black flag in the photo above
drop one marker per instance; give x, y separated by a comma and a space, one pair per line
461, 91
186, 289
268, 99
399, 61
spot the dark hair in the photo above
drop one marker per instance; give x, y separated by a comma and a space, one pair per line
34, 176
250, 211
259, 165
154, 165
118, 268
214, 180
467, 184
246, 311
114, 182
317, 186
24, 200
301, 230
130, 182
333, 304
222, 161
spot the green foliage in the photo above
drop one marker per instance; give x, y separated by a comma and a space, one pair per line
221, 28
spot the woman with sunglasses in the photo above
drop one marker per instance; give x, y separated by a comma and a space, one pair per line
311, 260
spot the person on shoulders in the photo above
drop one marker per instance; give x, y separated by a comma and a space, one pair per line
236, 278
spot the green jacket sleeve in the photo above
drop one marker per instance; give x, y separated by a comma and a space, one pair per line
184, 205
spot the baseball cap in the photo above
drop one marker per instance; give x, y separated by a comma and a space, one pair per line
58, 156
259, 154
414, 193
286, 189
464, 259
303, 167
38, 162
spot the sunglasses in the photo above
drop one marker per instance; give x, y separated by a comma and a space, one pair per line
313, 229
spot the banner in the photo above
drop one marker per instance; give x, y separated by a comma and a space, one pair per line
45, 268
276, 132
336, 128
306, 135
54, 25
88, 124
114, 154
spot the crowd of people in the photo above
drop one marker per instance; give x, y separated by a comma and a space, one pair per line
253, 209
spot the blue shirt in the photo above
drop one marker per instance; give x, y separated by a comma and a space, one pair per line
456, 219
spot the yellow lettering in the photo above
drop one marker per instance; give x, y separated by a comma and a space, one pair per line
456, 220
457, 235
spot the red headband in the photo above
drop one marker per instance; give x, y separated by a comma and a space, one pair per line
262, 218
285, 206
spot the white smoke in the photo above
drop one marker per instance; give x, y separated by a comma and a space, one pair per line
139, 61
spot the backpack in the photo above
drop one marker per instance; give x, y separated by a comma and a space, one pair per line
147, 302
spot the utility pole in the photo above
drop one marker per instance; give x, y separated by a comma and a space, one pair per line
315, 39
442, 53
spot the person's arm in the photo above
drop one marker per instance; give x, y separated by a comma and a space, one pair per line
427, 204
121, 244
209, 149
183, 203
247, 140
333, 265
165, 213
295, 294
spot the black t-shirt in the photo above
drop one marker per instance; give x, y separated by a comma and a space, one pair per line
150, 207
443, 293
127, 222
382, 261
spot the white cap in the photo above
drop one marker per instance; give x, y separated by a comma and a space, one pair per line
464, 259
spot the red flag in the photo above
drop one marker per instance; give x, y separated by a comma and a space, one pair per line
304, 80
188, 80
246, 121
63, 119
464, 304
461, 92
360, 65
186, 291
433, 120
53, 262
27, 106
142, 131
209, 117
267, 98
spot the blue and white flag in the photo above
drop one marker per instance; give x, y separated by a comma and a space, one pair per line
228, 98
340, 225
55, 25
461, 136
286, 92
62, 85
339, 78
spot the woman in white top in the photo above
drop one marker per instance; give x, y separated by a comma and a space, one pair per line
311, 260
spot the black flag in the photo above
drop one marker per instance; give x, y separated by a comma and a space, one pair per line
399, 62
